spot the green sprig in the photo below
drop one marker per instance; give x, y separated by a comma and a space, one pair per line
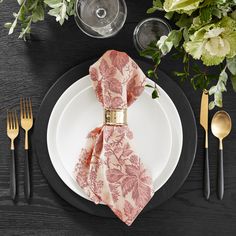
32, 11
157, 5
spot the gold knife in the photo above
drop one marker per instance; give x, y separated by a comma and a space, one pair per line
204, 124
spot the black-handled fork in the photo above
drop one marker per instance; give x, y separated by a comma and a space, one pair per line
26, 116
12, 133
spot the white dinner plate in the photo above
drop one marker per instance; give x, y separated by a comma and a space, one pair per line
156, 126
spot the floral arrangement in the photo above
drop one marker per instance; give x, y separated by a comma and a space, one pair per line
205, 31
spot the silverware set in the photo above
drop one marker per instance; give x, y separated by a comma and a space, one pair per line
221, 126
26, 122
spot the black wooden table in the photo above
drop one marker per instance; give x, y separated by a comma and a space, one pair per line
29, 69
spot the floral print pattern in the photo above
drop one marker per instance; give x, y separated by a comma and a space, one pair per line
108, 169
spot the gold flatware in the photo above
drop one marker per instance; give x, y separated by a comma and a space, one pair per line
204, 124
221, 126
12, 133
26, 116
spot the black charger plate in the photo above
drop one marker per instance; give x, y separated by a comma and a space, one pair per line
165, 192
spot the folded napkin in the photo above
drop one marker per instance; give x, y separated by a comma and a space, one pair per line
108, 169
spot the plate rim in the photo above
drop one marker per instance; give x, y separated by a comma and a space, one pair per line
164, 193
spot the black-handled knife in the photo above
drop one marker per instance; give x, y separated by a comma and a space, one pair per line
204, 124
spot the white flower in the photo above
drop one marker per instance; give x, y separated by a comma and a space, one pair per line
214, 42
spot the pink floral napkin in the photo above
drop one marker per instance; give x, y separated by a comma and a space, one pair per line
108, 169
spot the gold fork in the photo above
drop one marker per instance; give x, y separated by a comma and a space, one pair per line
26, 116
12, 133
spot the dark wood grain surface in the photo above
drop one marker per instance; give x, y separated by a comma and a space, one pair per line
29, 69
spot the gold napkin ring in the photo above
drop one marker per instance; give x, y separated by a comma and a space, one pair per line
115, 116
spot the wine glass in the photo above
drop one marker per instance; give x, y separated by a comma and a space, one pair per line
100, 18
149, 30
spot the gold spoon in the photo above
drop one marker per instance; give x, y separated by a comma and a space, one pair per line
221, 126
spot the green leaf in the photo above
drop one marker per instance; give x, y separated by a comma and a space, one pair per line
164, 44
8, 25
150, 73
157, 3
149, 86
38, 14
54, 3
70, 8
218, 99
186, 34
175, 37
20, 2
169, 15
152, 10
154, 94
211, 105
54, 12
147, 52
212, 90
216, 12
22, 13
206, 14
233, 81
156, 57
153, 52
11, 30
231, 65
184, 21
223, 76
221, 86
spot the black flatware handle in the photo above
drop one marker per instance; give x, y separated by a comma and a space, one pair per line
13, 176
206, 176
27, 176
220, 175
